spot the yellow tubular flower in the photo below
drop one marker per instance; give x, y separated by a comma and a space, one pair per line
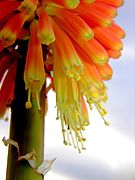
34, 73
69, 108
85, 119
65, 53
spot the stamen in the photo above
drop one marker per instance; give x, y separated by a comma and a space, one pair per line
72, 138
64, 138
103, 109
63, 130
90, 102
77, 143
28, 104
77, 78
106, 123
79, 120
70, 75
83, 148
29, 94
38, 103
102, 114
82, 139
68, 139
91, 107
95, 95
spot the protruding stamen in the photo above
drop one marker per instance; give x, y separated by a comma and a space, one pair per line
29, 94
77, 143
83, 146
72, 138
82, 140
63, 130
38, 102
64, 138
102, 113
106, 123
91, 107
90, 102
68, 139
28, 104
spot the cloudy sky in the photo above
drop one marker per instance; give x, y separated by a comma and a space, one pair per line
110, 150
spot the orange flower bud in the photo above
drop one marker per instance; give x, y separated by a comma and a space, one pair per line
45, 29
114, 54
93, 17
105, 71
115, 3
11, 30
106, 37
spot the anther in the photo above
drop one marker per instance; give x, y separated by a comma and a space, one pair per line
65, 142
106, 123
28, 105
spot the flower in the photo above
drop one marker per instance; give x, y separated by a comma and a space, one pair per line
7, 89
45, 29
70, 41
10, 31
34, 74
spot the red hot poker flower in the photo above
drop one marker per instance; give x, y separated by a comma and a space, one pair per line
80, 37
34, 74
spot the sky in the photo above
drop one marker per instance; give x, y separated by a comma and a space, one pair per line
109, 153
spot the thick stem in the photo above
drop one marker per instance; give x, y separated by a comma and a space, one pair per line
26, 128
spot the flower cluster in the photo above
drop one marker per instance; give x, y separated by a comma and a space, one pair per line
79, 36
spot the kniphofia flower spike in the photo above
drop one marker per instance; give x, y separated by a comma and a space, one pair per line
77, 38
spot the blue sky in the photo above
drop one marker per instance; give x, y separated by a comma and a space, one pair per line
110, 150
122, 87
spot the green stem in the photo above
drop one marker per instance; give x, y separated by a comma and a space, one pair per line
26, 128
